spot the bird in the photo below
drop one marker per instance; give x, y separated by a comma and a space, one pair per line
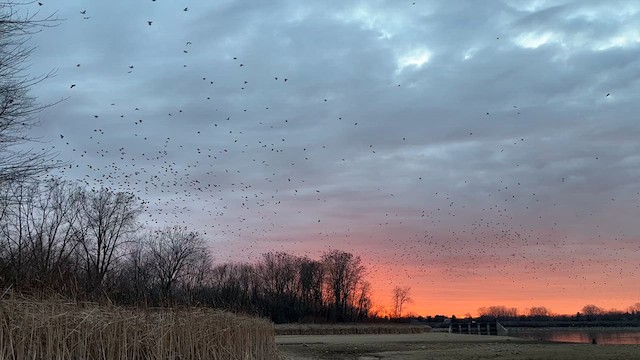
186, 9
149, 22
83, 12
72, 86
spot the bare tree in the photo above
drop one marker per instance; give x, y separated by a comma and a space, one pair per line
634, 309
278, 273
18, 109
234, 287
52, 214
311, 283
174, 253
499, 311
38, 237
134, 280
401, 297
363, 300
196, 277
107, 220
539, 311
343, 273
591, 310
13, 246
279, 276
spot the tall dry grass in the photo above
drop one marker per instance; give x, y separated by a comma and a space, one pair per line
56, 330
349, 329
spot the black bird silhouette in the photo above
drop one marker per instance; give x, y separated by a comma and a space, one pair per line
149, 22
73, 85
186, 9
83, 12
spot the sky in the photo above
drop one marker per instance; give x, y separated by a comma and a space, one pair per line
481, 152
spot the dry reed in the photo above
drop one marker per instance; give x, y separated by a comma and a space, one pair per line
55, 330
349, 329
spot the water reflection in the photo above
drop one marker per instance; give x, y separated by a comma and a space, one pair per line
584, 336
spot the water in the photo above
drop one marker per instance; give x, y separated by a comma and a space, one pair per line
603, 336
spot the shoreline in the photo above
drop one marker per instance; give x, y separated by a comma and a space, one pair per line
437, 345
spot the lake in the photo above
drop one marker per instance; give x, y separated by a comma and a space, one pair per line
603, 336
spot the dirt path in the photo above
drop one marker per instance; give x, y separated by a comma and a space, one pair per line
440, 346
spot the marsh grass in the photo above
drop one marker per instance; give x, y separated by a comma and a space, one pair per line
58, 330
349, 329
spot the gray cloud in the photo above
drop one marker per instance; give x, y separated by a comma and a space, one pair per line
450, 131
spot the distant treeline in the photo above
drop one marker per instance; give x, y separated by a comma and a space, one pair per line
539, 316
89, 244
590, 312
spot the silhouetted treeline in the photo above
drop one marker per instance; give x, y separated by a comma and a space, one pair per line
540, 316
288, 288
89, 244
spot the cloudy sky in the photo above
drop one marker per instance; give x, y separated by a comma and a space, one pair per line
483, 153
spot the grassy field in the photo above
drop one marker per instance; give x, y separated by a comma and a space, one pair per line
56, 330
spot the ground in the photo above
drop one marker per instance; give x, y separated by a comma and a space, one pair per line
441, 346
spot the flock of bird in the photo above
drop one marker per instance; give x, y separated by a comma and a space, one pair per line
255, 176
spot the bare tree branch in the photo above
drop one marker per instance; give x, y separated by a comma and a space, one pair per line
18, 109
